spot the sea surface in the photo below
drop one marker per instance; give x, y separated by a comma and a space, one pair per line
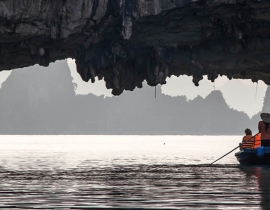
128, 172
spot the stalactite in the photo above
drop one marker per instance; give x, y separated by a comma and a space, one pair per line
127, 42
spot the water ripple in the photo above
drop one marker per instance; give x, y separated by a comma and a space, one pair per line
137, 187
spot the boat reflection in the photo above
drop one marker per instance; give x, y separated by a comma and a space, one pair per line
262, 174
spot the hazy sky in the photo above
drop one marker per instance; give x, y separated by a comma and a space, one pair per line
238, 94
242, 95
98, 88
3, 76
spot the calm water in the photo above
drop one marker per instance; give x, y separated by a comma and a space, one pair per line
127, 172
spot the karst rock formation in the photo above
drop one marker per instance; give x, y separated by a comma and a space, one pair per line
126, 42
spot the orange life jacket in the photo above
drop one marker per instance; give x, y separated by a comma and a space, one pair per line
248, 144
258, 141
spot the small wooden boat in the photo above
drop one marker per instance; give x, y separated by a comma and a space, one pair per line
259, 156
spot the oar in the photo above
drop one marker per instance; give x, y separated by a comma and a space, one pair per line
233, 149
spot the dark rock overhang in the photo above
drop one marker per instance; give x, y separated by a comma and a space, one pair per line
126, 42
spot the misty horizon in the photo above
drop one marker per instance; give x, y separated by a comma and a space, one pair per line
42, 98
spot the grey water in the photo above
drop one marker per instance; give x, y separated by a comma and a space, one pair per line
128, 172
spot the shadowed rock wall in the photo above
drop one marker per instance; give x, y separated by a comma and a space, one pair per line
129, 41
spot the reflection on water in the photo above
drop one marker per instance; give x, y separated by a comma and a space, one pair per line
70, 173
65, 152
263, 182
140, 186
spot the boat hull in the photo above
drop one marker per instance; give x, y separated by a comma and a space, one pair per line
250, 157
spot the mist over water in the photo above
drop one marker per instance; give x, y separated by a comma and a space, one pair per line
66, 152
78, 172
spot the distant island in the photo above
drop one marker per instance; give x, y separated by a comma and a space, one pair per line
42, 101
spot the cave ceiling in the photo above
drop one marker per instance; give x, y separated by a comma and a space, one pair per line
126, 42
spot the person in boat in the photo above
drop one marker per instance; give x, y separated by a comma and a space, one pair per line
247, 144
264, 129
257, 140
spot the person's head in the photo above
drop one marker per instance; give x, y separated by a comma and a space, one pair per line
266, 119
248, 131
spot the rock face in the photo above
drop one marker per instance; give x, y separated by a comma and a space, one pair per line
126, 42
